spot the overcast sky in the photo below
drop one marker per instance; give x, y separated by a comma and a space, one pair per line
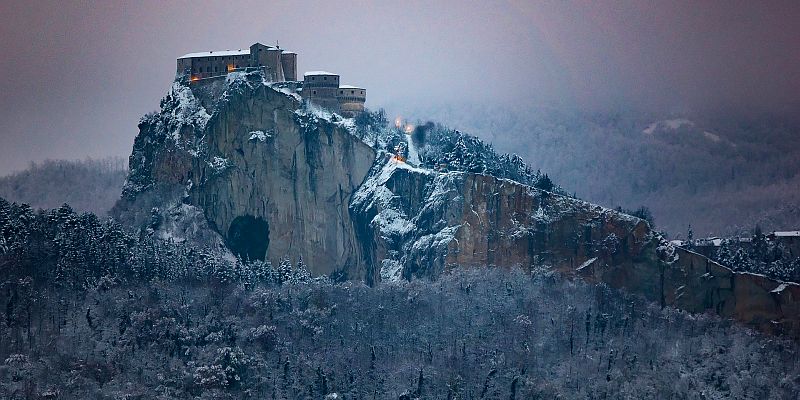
78, 75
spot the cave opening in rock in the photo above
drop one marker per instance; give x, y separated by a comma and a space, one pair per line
248, 237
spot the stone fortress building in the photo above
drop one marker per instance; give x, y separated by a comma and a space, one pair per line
317, 87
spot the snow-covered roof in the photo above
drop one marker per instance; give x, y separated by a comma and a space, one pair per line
709, 241
350, 87
309, 73
787, 234
288, 52
217, 53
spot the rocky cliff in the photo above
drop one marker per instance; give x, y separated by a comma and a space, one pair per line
418, 223
273, 179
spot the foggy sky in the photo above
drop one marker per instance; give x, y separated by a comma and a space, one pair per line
77, 76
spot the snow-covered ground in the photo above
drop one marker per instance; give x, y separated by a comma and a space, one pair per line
413, 155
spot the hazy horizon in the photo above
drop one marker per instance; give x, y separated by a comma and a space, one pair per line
81, 74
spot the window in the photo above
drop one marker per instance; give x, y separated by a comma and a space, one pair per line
325, 78
341, 92
313, 92
352, 92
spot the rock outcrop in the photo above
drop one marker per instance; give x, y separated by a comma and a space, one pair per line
694, 283
419, 223
273, 179
276, 179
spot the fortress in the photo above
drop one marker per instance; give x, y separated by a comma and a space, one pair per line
318, 87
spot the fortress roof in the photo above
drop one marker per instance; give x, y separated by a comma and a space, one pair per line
350, 87
318, 73
787, 234
217, 53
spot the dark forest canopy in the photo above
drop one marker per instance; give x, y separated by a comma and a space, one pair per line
92, 311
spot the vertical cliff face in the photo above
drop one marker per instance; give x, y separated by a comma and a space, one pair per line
283, 176
273, 179
422, 222
418, 223
692, 282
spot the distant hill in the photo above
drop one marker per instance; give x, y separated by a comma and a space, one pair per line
87, 185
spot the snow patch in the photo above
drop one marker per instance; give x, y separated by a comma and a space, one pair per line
586, 264
712, 136
260, 136
219, 164
391, 270
413, 155
669, 124
182, 108
780, 288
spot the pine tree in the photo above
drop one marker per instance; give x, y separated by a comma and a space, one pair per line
284, 271
544, 183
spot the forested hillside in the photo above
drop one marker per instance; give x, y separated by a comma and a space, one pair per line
87, 185
721, 174
93, 312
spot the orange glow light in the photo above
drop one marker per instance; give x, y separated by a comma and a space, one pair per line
194, 79
230, 67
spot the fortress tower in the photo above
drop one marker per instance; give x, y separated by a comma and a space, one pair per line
351, 100
321, 88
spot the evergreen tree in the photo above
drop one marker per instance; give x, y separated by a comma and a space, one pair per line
544, 183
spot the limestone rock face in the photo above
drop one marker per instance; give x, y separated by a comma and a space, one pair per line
422, 222
273, 180
294, 171
419, 223
696, 284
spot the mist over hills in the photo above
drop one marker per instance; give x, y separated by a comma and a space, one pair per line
722, 175
91, 185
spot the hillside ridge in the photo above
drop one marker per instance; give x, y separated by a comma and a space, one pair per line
278, 179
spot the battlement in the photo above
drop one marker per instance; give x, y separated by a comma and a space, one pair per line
323, 89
